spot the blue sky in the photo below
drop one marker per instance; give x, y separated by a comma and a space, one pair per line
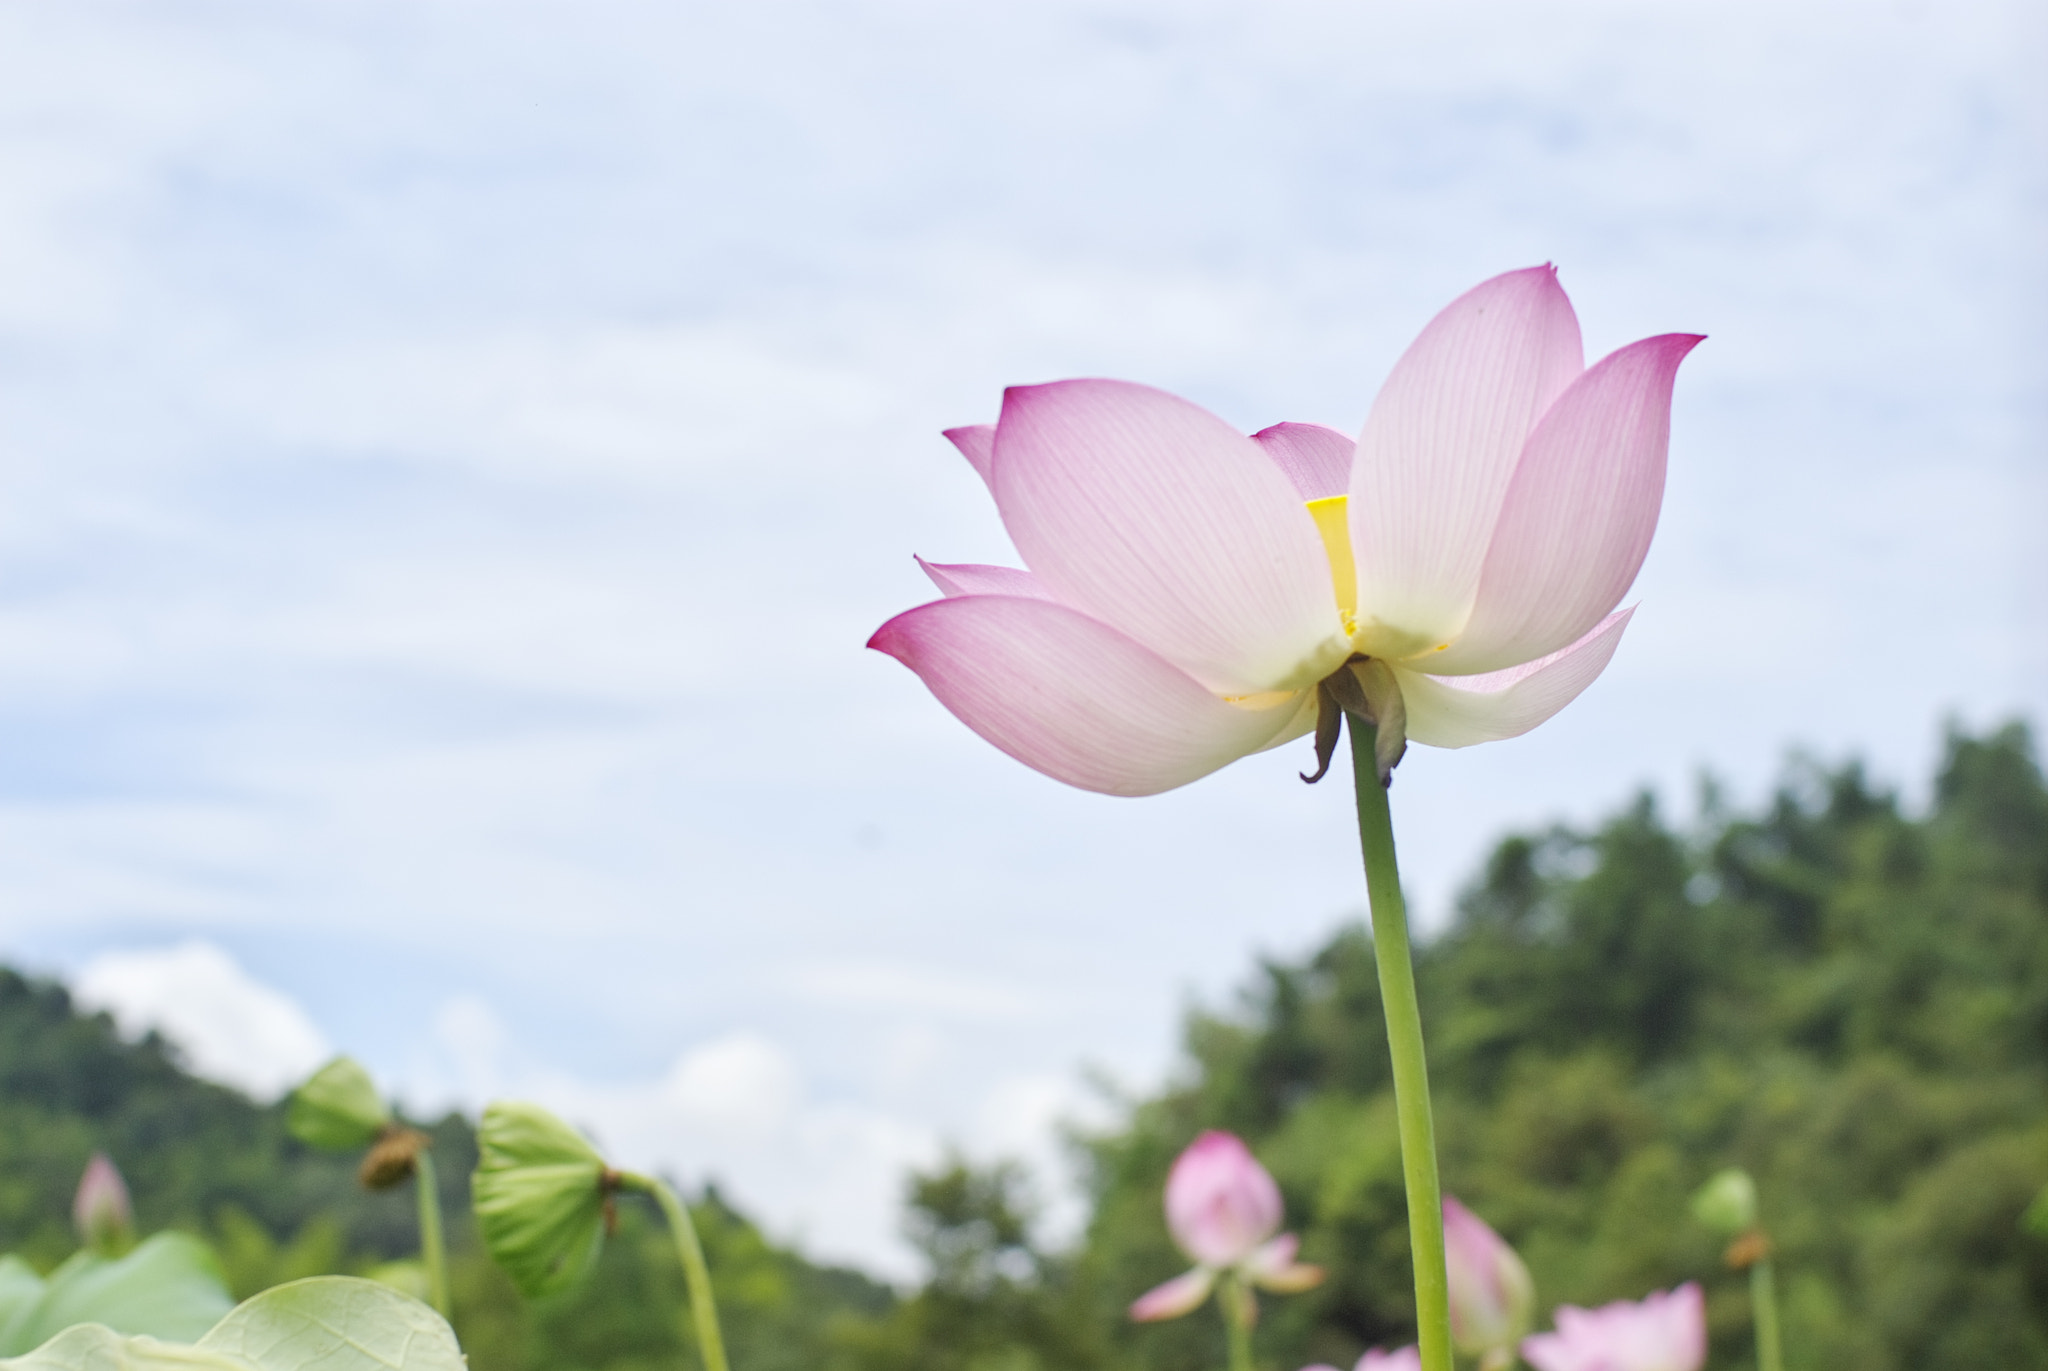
452, 453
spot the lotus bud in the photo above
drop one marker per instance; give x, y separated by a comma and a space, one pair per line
1493, 1300
101, 1211
338, 1108
542, 1196
1726, 1204
1220, 1203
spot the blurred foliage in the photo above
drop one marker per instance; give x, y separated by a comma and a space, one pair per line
1845, 999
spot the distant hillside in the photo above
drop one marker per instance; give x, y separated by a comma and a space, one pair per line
1848, 999
204, 1158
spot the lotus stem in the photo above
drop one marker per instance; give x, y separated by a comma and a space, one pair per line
1763, 1299
703, 1308
433, 1251
1404, 1044
1238, 1313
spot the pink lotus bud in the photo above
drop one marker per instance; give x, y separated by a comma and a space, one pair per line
101, 1211
1493, 1301
1220, 1203
1665, 1332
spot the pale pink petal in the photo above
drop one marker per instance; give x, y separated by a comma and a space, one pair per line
1408, 1358
1303, 723
1440, 447
1579, 512
1269, 1257
1181, 1295
1153, 515
1665, 1332
1072, 697
971, 578
1462, 710
1220, 1203
977, 443
1316, 459
1493, 1300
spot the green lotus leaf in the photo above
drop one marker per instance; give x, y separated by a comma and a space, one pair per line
1726, 1204
338, 1108
332, 1323
95, 1347
169, 1287
539, 1192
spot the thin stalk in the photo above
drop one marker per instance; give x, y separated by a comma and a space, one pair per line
1238, 1312
703, 1309
1763, 1299
1404, 1043
433, 1251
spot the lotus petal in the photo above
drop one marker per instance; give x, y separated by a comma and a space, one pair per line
972, 578
1316, 459
977, 443
1153, 515
1579, 513
1073, 697
1463, 710
1440, 447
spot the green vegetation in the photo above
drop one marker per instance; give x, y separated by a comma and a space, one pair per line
1846, 1000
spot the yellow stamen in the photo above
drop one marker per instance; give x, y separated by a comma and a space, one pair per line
1335, 526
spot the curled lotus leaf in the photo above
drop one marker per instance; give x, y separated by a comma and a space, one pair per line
338, 1108
540, 1193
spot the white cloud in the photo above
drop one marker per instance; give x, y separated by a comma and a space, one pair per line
232, 1027
740, 1086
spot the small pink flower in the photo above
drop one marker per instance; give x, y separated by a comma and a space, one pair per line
1190, 588
1223, 1209
1493, 1301
101, 1211
1665, 1332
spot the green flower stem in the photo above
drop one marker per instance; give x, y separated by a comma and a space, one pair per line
703, 1309
433, 1251
1763, 1299
1238, 1312
1404, 1043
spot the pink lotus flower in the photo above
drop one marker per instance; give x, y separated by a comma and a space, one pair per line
1666, 1332
101, 1210
1223, 1210
1493, 1301
1190, 588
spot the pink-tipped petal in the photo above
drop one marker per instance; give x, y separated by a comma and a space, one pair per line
1155, 516
1440, 447
1408, 1358
972, 578
1665, 1332
1492, 1298
1462, 710
1072, 697
977, 443
1220, 1203
1579, 513
1316, 459
1181, 1295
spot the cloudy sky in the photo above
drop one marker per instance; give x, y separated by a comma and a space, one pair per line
451, 454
